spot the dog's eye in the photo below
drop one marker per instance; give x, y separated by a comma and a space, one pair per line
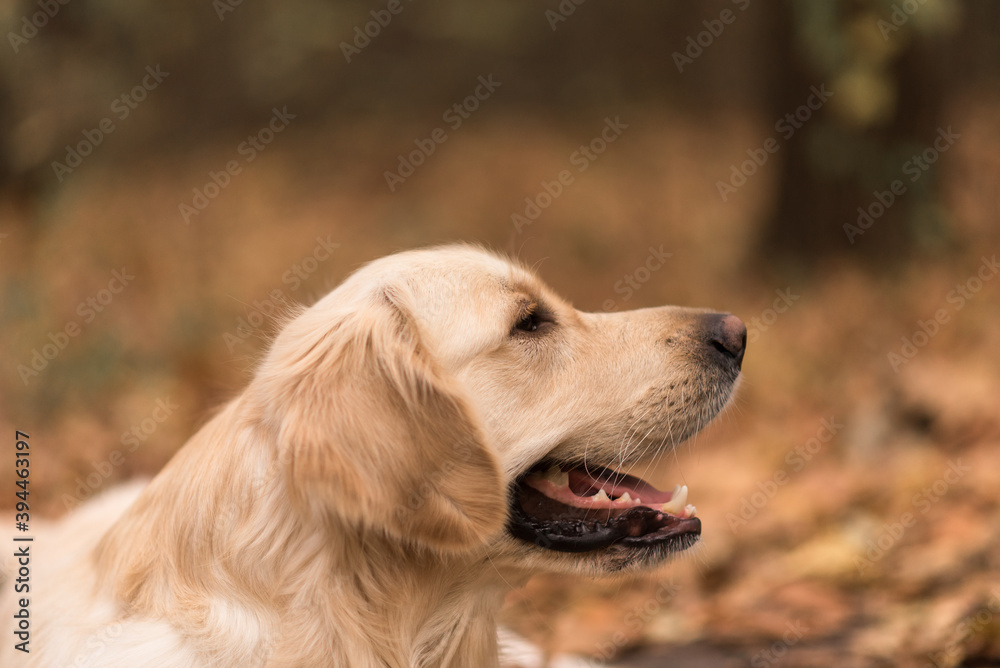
532, 319
528, 323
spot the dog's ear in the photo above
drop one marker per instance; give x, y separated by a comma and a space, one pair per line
374, 434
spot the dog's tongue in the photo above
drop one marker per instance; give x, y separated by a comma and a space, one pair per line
587, 481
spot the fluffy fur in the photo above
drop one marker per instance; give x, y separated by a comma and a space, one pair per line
348, 508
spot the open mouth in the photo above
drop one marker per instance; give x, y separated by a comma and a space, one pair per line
577, 508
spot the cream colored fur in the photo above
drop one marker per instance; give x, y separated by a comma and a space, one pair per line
348, 508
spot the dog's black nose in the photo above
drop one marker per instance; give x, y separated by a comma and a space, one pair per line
728, 335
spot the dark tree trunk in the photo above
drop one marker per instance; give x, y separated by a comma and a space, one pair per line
831, 167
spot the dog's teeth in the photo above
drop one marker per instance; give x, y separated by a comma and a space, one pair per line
625, 498
601, 496
680, 497
676, 503
557, 477
690, 511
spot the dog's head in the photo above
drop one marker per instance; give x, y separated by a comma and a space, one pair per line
447, 398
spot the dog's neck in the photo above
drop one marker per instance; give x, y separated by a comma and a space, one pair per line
222, 551
398, 608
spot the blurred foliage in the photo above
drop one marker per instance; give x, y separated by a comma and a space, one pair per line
893, 65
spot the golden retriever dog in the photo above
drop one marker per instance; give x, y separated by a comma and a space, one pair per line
427, 436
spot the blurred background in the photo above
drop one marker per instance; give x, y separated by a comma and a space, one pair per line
170, 173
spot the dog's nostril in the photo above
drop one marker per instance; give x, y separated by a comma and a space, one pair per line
728, 335
721, 348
